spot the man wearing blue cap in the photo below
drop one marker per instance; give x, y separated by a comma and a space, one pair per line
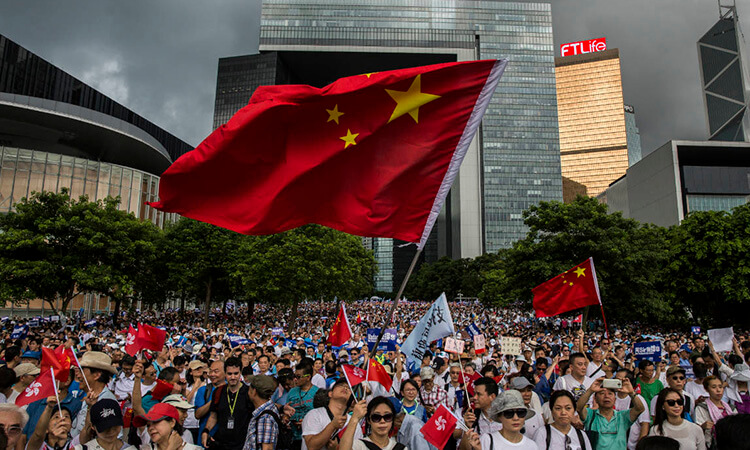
31, 357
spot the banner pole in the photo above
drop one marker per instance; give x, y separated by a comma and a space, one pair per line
389, 317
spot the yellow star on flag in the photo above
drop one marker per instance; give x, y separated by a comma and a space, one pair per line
580, 272
334, 114
368, 75
349, 139
409, 101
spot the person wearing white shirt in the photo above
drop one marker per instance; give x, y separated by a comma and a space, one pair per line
576, 382
560, 435
321, 425
124, 381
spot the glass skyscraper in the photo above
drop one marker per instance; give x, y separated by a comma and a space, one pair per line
514, 161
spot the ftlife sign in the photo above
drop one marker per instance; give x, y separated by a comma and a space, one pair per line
581, 47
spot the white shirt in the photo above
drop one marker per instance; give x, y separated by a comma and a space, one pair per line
499, 442
634, 434
695, 390
319, 381
557, 439
124, 386
316, 420
571, 385
689, 435
533, 425
594, 368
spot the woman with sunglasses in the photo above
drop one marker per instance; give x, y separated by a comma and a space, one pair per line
669, 422
560, 435
508, 409
379, 415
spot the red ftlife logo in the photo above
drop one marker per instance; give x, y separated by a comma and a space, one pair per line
579, 48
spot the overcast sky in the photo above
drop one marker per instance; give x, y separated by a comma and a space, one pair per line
159, 58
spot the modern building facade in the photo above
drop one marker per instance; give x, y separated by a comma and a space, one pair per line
723, 79
633, 136
56, 132
594, 136
514, 161
681, 177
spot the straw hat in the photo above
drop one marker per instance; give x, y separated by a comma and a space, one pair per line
97, 360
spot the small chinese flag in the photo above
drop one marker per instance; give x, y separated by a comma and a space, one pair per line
42, 387
381, 148
131, 348
354, 375
578, 319
150, 338
359, 318
570, 290
161, 390
59, 359
340, 332
376, 372
440, 427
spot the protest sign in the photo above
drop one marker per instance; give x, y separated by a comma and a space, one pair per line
454, 345
276, 331
510, 345
479, 344
387, 344
721, 338
647, 350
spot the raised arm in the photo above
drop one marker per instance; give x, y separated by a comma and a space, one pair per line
584, 400
347, 439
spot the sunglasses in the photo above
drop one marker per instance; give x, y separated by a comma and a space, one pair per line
509, 414
679, 402
678, 377
381, 418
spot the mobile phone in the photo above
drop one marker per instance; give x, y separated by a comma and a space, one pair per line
612, 384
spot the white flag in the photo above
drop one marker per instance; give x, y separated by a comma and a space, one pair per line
435, 324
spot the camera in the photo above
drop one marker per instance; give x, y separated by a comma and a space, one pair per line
612, 384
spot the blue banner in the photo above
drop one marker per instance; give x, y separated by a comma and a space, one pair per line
33, 323
90, 323
473, 330
277, 331
19, 332
647, 350
387, 344
289, 343
695, 330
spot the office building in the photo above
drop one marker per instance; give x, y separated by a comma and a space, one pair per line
513, 163
594, 134
633, 136
723, 79
681, 177
57, 132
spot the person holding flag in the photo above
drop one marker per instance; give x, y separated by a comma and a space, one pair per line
95, 372
379, 417
321, 426
52, 431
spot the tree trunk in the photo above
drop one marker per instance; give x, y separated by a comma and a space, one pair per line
292, 318
250, 309
207, 304
116, 315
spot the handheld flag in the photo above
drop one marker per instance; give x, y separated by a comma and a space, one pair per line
572, 289
354, 375
161, 390
150, 338
41, 387
376, 373
131, 347
437, 323
473, 329
19, 332
359, 318
382, 148
59, 360
340, 332
578, 319
440, 427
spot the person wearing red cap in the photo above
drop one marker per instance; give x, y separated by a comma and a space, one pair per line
164, 429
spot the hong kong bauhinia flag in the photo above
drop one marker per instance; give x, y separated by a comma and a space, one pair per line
150, 338
42, 387
370, 155
340, 331
572, 289
440, 427
131, 347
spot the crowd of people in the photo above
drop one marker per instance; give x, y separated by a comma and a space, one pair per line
268, 383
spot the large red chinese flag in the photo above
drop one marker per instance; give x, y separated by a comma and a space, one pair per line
572, 289
150, 338
370, 155
340, 332
440, 427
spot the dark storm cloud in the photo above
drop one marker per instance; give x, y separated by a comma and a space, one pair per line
159, 57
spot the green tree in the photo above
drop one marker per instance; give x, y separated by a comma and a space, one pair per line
310, 262
630, 259
454, 277
709, 270
200, 258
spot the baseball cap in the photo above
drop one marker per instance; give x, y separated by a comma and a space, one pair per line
263, 384
159, 411
26, 369
106, 414
674, 369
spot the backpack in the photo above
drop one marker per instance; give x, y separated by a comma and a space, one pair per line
581, 439
284, 439
373, 446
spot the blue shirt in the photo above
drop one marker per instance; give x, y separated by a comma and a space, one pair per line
302, 402
199, 400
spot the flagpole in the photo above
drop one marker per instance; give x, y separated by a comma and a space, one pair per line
81, 369
54, 386
389, 317
463, 378
606, 327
